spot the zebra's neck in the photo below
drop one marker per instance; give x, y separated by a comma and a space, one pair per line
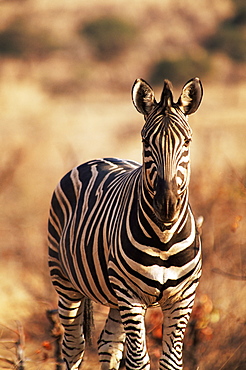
164, 231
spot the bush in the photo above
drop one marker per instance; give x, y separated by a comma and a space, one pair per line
230, 40
20, 40
230, 37
108, 36
239, 18
179, 70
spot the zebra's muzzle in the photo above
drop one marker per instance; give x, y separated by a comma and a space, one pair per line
166, 203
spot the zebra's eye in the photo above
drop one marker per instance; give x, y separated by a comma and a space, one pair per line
145, 141
187, 142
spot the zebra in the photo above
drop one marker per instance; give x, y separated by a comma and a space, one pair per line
123, 235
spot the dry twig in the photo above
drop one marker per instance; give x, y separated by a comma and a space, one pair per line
57, 333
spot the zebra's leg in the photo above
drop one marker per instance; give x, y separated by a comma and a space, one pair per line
132, 316
175, 320
71, 316
111, 341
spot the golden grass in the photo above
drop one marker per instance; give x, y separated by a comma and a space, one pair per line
56, 113
43, 137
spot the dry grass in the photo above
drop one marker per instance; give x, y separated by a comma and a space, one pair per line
55, 114
43, 139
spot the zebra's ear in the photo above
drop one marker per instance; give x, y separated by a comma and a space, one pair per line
143, 97
191, 96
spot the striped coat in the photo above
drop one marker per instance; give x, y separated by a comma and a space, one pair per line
123, 234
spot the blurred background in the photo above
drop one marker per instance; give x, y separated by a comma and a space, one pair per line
66, 72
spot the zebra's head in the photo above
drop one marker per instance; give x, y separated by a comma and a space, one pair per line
166, 138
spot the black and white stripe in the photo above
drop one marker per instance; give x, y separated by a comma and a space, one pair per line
123, 234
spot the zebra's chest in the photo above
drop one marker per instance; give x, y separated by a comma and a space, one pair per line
143, 282
148, 268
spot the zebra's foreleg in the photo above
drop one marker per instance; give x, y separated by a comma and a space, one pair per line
175, 320
111, 341
73, 346
132, 316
